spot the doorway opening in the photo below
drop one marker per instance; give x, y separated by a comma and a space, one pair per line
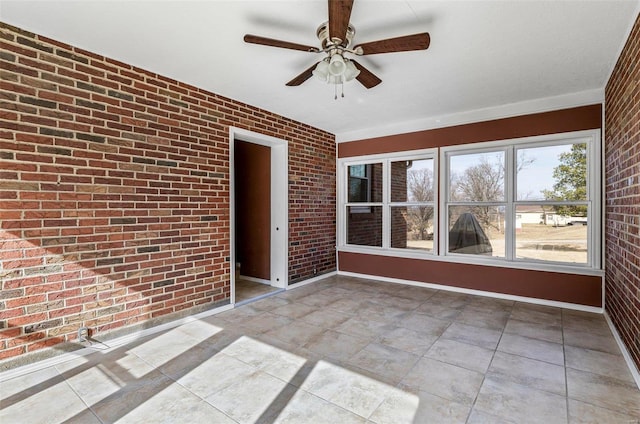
259, 215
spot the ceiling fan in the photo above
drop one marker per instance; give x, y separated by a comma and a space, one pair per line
335, 37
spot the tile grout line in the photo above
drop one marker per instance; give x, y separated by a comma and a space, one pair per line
88, 407
564, 368
484, 376
377, 337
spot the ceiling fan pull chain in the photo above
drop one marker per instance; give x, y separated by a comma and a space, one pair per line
342, 90
335, 91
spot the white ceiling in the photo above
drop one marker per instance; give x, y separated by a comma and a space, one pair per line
499, 57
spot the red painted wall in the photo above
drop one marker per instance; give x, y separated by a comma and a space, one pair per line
114, 193
622, 218
566, 120
253, 209
579, 289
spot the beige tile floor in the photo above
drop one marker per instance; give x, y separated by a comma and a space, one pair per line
345, 350
246, 290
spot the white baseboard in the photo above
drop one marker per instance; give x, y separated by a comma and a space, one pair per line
625, 353
127, 338
110, 344
29, 368
477, 292
311, 280
623, 348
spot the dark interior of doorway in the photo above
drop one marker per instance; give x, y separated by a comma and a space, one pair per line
252, 168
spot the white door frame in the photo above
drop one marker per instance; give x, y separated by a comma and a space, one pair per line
279, 270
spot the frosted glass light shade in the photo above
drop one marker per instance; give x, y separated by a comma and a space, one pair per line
350, 72
322, 71
337, 65
336, 70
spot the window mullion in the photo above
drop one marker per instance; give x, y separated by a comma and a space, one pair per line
443, 203
510, 213
386, 209
343, 189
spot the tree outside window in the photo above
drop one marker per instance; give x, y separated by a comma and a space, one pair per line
570, 181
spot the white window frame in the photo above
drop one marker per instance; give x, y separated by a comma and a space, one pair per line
386, 204
594, 198
444, 192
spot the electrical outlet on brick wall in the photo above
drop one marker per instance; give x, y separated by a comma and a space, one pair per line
83, 334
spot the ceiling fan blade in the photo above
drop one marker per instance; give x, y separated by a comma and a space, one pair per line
256, 39
308, 73
339, 15
365, 76
398, 44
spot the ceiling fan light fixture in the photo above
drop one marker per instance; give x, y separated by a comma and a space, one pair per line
322, 71
350, 72
335, 38
337, 65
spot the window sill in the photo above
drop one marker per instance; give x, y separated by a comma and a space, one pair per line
470, 260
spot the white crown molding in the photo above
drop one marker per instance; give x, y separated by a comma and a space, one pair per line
547, 104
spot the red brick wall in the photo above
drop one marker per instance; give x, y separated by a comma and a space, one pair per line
622, 168
114, 191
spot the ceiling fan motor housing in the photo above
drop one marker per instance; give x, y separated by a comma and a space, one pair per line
327, 43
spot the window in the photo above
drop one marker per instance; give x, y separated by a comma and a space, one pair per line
533, 203
360, 187
476, 203
412, 204
551, 180
390, 204
364, 204
524, 201
359, 183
